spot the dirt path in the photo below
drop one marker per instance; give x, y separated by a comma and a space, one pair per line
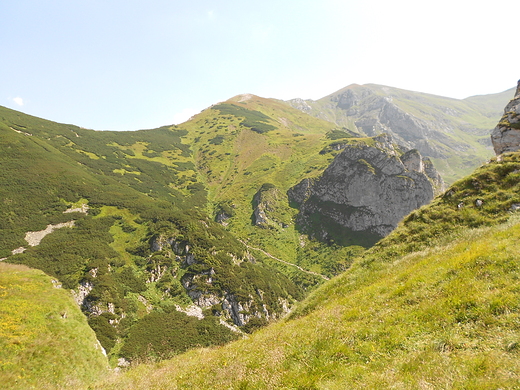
283, 261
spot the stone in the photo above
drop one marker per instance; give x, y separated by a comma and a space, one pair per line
506, 135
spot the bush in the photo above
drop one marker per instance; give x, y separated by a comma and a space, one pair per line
162, 334
255, 120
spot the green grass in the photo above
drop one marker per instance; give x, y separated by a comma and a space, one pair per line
45, 341
433, 305
139, 186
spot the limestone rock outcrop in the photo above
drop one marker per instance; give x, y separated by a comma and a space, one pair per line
267, 207
366, 190
506, 135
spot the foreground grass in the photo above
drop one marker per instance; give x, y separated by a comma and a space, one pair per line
45, 342
443, 318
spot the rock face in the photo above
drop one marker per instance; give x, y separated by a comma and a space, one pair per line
506, 136
267, 207
374, 113
365, 191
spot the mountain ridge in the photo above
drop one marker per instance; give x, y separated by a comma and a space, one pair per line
432, 305
452, 132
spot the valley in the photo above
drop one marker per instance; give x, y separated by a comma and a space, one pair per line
366, 238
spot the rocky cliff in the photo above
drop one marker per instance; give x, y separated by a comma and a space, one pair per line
365, 192
506, 135
268, 207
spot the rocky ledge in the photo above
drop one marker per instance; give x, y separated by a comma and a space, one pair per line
506, 135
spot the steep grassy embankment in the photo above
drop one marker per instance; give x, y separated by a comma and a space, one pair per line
45, 341
440, 310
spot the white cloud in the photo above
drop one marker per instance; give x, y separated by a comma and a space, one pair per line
18, 100
184, 115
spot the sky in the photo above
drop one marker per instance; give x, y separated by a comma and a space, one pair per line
140, 64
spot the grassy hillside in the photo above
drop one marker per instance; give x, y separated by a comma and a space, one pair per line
235, 160
45, 341
141, 187
441, 313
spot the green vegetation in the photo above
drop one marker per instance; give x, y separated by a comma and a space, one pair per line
255, 120
157, 336
339, 134
45, 342
140, 187
437, 296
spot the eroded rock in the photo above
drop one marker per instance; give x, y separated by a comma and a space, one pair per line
365, 190
506, 135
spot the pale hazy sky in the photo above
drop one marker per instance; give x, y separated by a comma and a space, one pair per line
134, 64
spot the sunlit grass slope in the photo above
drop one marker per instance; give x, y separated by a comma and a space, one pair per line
45, 341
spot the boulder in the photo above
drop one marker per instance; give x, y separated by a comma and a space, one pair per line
506, 135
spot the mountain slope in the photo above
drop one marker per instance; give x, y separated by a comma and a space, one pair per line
127, 221
181, 236
138, 238
442, 315
453, 133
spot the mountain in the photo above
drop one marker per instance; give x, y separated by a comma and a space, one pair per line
128, 221
198, 234
453, 133
122, 219
178, 230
